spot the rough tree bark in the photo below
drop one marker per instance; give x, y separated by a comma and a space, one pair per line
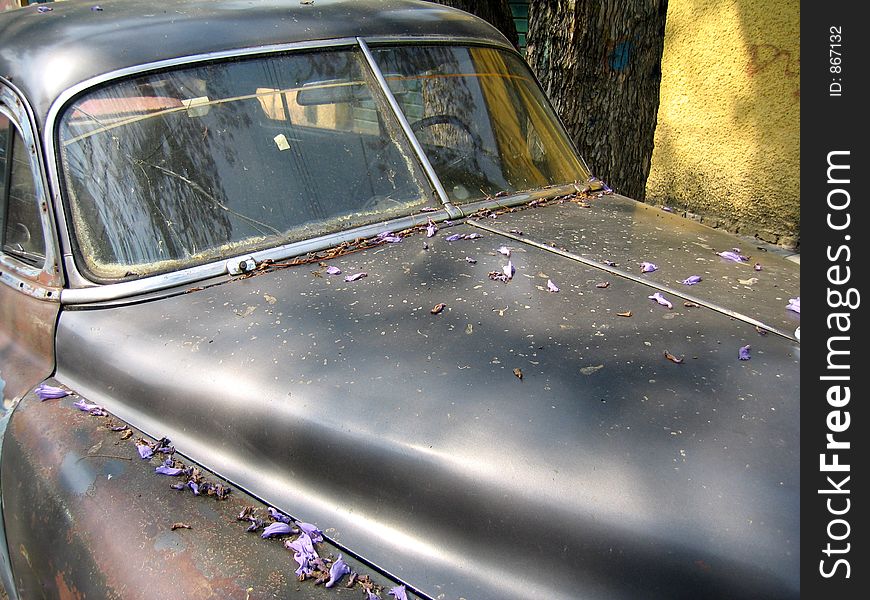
600, 63
495, 12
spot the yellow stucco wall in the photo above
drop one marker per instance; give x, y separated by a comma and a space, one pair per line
727, 143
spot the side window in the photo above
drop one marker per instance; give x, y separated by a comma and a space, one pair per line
20, 226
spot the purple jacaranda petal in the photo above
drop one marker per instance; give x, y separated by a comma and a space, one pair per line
454, 237
118, 428
145, 450
735, 256
44, 9
505, 250
194, 487
757, 267
168, 470
667, 209
356, 276
179, 486
93, 409
431, 229
331, 270
303, 553
370, 595
471, 236
279, 516
660, 299
552, 287
471, 261
389, 237
97, 8
647, 267
311, 531
691, 280
609, 263
794, 304
255, 524
743, 353
46, 392
509, 270
277, 528
338, 570
399, 592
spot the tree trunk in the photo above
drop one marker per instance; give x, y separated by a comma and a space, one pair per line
600, 63
495, 12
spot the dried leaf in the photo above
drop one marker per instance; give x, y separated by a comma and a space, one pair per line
590, 370
180, 526
438, 308
673, 358
760, 330
603, 284
519, 373
624, 314
688, 304
743, 352
127, 434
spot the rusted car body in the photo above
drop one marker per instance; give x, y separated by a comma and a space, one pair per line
275, 263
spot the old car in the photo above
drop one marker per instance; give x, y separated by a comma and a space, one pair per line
314, 299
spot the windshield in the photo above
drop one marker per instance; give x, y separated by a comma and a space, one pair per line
182, 167
481, 118
186, 166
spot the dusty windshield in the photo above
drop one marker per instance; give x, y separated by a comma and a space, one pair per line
481, 119
182, 167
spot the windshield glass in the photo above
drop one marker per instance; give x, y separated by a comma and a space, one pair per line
481, 119
178, 168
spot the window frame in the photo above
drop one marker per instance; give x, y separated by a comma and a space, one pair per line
38, 280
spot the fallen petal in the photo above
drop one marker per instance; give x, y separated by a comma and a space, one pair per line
519, 374
311, 531
469, 260
44, 9
438, 308
46, 392
691, 305
370, 595
505, 251
647, 267
609, 263
794, 304
431, 229
399, 593
509, 270
735, 256
145, 449
661, 300
194, 487
691, 280
168, 470
180, 526
757, 267
552, 287
454, 237
331, 270
279, 516
338, 570
743, 353
603, 284
355, 276
277, 528
472, 236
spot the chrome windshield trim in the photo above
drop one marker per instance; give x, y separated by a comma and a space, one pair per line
406, 128
438, 39
156, 283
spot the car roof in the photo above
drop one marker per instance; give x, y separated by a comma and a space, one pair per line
45, 53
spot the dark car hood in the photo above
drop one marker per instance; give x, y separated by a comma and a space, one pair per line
605, 471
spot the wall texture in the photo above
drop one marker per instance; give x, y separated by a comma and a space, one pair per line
727, 143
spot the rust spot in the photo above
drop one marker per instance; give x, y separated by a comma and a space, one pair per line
64, 592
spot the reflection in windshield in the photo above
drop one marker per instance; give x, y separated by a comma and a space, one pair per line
481, 119
178, 168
